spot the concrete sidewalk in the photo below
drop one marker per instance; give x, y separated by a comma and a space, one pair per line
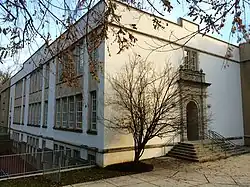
232, 173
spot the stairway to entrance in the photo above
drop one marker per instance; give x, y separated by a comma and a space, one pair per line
214, 147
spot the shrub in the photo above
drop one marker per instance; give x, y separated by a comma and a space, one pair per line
137, 167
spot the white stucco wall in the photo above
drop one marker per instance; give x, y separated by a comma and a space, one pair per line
224, 95
224, 92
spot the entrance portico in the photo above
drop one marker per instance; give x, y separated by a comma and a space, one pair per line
193, 106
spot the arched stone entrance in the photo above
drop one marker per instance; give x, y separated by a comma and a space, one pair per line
192, 121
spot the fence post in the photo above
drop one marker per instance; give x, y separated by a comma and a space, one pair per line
24, 163
59, 169
43, 168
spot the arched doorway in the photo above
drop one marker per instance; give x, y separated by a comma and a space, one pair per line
192, 121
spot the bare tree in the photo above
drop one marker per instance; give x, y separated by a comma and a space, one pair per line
144, 102
5, 75
23, 22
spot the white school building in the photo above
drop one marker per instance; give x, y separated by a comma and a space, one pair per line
46, 113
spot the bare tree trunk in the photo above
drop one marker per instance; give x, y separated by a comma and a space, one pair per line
136, 158
139, 149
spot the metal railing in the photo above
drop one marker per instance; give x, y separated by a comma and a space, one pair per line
38, 162
171, 140
4, 130
218, 140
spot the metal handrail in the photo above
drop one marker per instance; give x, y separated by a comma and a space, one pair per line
214, 141
218, 138
222, 137
173, 137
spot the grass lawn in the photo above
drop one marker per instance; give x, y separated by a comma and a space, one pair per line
71, 177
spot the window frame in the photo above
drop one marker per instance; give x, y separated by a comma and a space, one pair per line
190, 59
72, 112
78, 124
92, 111
64, 102
45, 114
47, 75
58, 113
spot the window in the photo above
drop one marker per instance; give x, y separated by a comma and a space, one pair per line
93, 110
24, 86
78, 59
36, 80
190, 60
61, 148
23, 114
39, 81
29, 120
69, 112
56, 155
45, 114
21, 137
18, 89
68, 152
46, 78
91, 159
59, 70
77, 154
58, 112
38, 113
43, 144
34, 114
17, 114
37, 143
65, 112
79, 111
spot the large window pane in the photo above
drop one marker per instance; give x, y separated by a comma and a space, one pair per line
58, 113
45, 115
65, 112
71, 111
79, 111
93, 110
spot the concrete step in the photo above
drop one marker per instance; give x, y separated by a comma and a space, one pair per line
188, 151
186, 144
184, 157
194, 156
184, 148
238, 152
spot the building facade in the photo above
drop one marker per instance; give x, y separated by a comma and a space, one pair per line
4, 103
46, 113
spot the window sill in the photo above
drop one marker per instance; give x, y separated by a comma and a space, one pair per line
91, 132
67, 129
32, 125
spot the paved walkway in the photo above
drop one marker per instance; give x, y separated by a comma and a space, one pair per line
231, 172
